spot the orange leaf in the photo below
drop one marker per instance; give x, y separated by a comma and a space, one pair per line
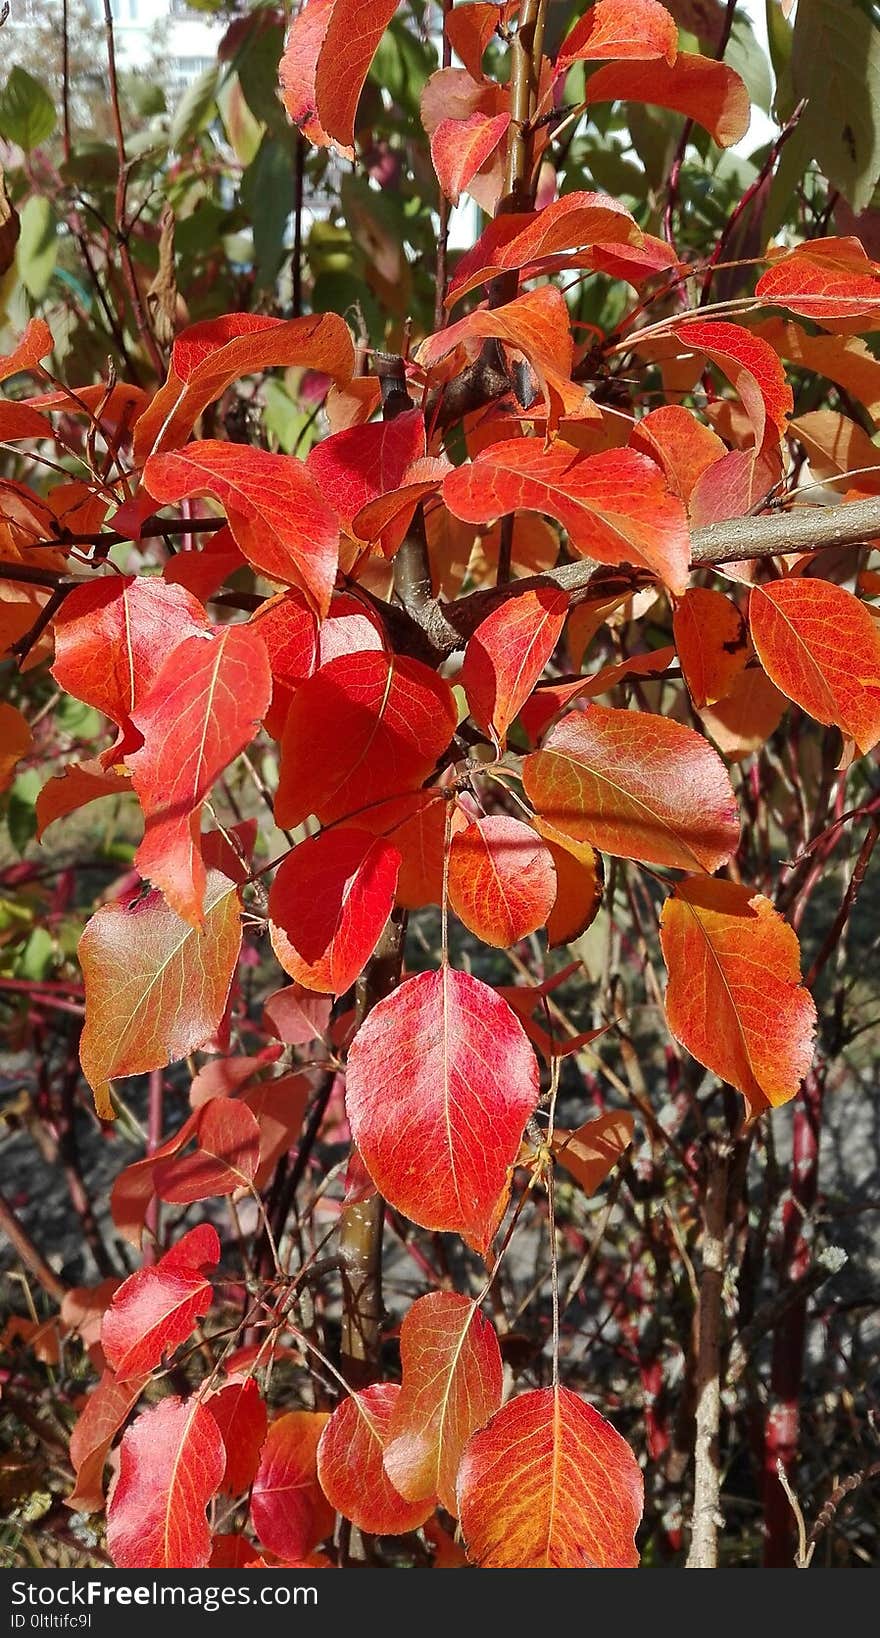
156, 989
354, 30
365, 727
171, 1463
549, 1485
526, 239
820, 646
502, 882
329, 902
350, 1465
615, 506
354, 467
507, 654
845, 360
636, 785
204, 708
35, 344
225, 1159
78, 784
296, 71
616, 29
441, 1080
743, 721
416, 825
289, 1512
15, 741
580, 880
705, 91
750, 365
206, 358
104, 1412
680, 444
593, 1150
735, 998
157, 1308
277, 514
452, 1383
710, 636
824, 279
459, 148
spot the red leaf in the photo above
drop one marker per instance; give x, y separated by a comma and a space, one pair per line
171, 1463
329, 902
226, 1156
155, 988
706, 91
240, 1413
507, 654
502, 882
297, 68
383, 523
105, 1410
20, 421
750, 365
208, 357
452, 1384
526, 239
365, 727
470, 27
459, 148
441, 1081
354, 30
289, 1512
15, 741
232, 1552
290, 630
297, 1016
112, 638
276, 512
279, 1106
615, 506
416, 825
536, 325
735, 998
204, 571
550, 1485
350, 1465
637, 785
353, 467
824, 279
35, 344
680, 444
205, 707
77, 785
156, 1308
580, 879
591, 1151
821, 647
710, 636
617, 29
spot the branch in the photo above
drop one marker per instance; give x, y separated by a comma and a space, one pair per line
703, 1553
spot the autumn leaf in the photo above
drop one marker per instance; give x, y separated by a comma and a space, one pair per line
279, 518
580, 881
103, 1414
507, 654
299, 62
461, 147
615, 506
157, 1308
636, 785
206, 358
735, 999
710, 636
502, 881
354, 467
591, 1151
613, 30
239, 1411
416, 824
329, 902
745, 719
225, 1159
77, 785
537, 325
350, 1466
204, 708
823, 279
680, 444
112, 638
751, 366
440, 1082
549, 1485
171, 1463
820, 646
290, 1514
524, 240
365, 727
35, 344
15, 741
156, 988
452, 1384
352, 38
705, 91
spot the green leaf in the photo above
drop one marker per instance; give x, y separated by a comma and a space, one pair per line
196, 108
746, 57
267, 195
37, 246
27, 112
835, 62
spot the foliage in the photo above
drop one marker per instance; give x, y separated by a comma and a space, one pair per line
505, 586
